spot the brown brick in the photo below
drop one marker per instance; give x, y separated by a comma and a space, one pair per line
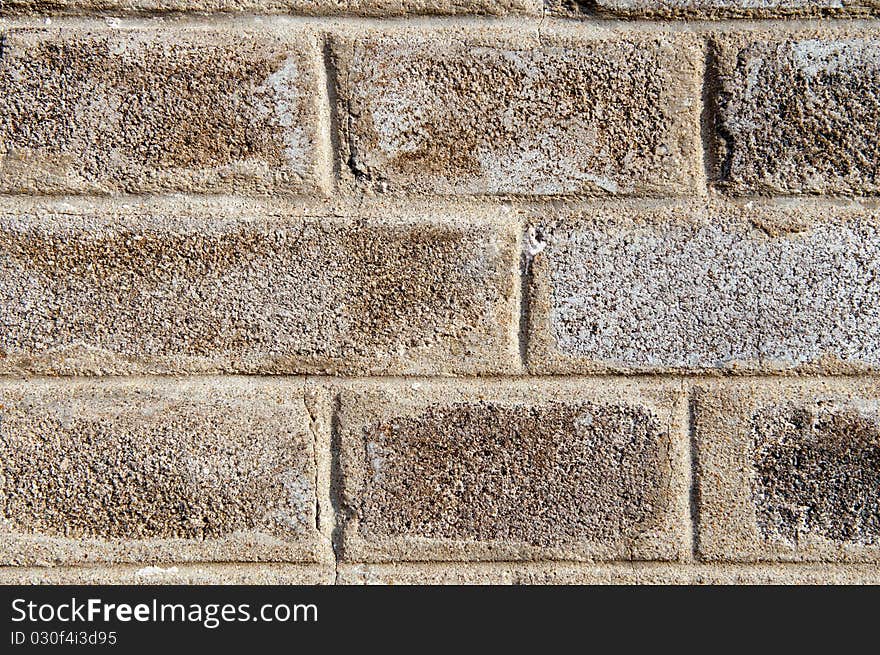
736, 8
152, 110
798, 113
137, 471
789, 470
481, 114
514, 471
167, 286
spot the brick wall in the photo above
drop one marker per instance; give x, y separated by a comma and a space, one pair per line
306, 291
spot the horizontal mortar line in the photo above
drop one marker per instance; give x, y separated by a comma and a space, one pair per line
344, 206
543, 563
598, 564
11, 378
521, 22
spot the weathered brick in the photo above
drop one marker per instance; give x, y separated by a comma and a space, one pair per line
308, 7
163, 286
798, 114
735, 8
210, 469
512, 471
474, 114
761, 286
789, 470
152, 110
628, 573
188, 574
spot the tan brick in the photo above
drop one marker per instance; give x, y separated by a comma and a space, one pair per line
694, 287
789, 470
151, 470
150, 110
736, 8
631, 573
184, 574
477, 113
514, 471
308, 7
798, 113
167, 286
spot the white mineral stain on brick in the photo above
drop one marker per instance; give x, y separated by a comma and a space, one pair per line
710, 296
285, 86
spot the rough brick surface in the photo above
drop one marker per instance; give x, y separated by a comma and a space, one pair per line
184, 574
736, 8
308, 7
163, 287
629, 573
789, 470
717, 287
799, 114
157, 471
499, 471
473, 114
158, 110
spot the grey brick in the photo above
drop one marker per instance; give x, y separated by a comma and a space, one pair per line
514, 471
170, 286
761, 287
151, 110
482, 114
138, 471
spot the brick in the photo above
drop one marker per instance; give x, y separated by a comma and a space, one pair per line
307, 7
167, 286
155, 110
143, 471
513, 471
184, 574
478, 114
629, 573
789, 470
736, 8
798, 114
687, 287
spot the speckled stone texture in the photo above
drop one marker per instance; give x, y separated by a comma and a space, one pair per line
498, 471
752, 287
168, 287
110, 111
736, 8
149, 470
472, 113
628, 573
789, 471
175, 574
798, 114
307, 7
